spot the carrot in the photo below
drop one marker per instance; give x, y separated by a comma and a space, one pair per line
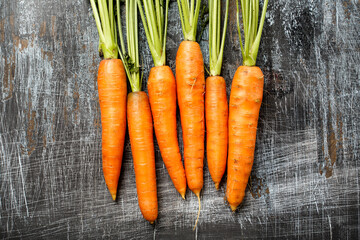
112, 95
139, 118
190, 82
216, 105
142, 147
245, 101
216, 109
162, 91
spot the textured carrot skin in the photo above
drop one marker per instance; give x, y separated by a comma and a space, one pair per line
142, 147
216, 112
112, 97
245, 101
190, 82
162, 95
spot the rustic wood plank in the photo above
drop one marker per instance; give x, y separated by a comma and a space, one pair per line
305, 180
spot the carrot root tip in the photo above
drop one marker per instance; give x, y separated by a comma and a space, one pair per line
152, 222
183, 195
113, 196
233, 208
217, 186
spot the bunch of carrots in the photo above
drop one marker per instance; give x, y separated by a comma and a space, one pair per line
230, 128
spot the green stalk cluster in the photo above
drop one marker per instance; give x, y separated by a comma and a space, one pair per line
105, 22
131, 59
252, 33
216, 48
189, 15
155, 26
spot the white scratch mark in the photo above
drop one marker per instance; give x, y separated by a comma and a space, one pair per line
23, 186
196, 233
316, 205
68, 230
330, 227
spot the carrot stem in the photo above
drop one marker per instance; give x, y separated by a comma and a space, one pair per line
189, 15
252, 29
104, 19
216, 48
256, 43
238, 28
155, 29
131, 57
122, 44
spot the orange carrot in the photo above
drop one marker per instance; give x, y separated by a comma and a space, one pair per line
190, 81
162, 94
245, 101
162, 91
142, 147
216, 109
216, 106
139, 118
112, 96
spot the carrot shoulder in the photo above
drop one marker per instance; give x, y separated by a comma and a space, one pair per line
216, 110
190, 82
112, 96
142, 147
162, 95
245, 101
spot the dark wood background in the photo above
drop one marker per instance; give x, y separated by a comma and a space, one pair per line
305, 179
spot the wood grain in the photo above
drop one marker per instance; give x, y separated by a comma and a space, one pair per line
305, 180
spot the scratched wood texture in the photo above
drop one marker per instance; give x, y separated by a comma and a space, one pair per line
305, 180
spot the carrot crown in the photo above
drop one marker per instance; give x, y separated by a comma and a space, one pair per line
155, 27
189, 15
131, 57
216, 48
252, 33
105, 22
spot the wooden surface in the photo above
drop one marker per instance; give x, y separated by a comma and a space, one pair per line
305, 180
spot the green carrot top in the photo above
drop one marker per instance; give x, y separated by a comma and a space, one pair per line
216, 49
105, 23
189, 15
131, 58
252, 33
155, 26
104, 14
